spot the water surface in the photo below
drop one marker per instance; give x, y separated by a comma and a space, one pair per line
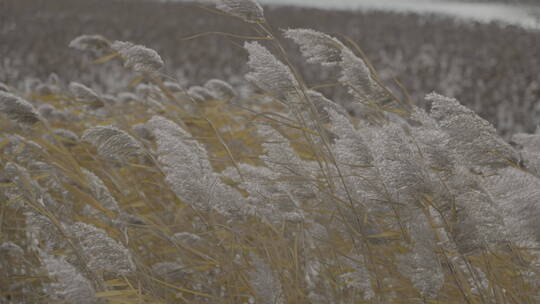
523, 15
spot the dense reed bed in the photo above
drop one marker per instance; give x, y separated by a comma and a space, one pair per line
488, 67
168, 193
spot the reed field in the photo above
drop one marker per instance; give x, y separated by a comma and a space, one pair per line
231, 153
490, 68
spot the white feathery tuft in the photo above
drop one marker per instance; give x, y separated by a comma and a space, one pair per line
169, 271
101, 251
127, 98
85, 95
356, 76
265, 282
358, 278
67, 137
280, 156
350, 147
189, 171
317, 47
173, 87
109, 100
112, 143
142, 131
220, 89
323, 104
518, 195
18, 109
89, 42
248, 10
422, 265
100, 191
11, 248
268, 73
4, 87
199, 93
529, 145
140, 58
471, 136
70, 285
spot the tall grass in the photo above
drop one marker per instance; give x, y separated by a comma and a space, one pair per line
490, 68
195, 195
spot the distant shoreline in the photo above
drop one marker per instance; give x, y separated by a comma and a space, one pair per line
524, 15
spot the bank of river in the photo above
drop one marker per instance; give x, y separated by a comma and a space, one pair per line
523, 15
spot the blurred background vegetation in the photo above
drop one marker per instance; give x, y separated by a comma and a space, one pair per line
488, 67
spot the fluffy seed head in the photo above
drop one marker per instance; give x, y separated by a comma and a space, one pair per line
109, 100
529, 142
265, 282
173, 87
268, 73
470, 135
356, 76
480, 222
140, 58
112, 143
200, 93
70, 286
103, 253
11, 249
280, 156
46, 110
247, 10
89, 42
323, 104
317, 47
529, 145
189, 172
358, 276
86, 95
110, 212
220, 89
4, 87
18, 109
44, 89
53, 79
350, 147
186, 238
142, 131
196, 96
517, 193
421, 265
127, 98
67, 137
147, 91
169, 271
